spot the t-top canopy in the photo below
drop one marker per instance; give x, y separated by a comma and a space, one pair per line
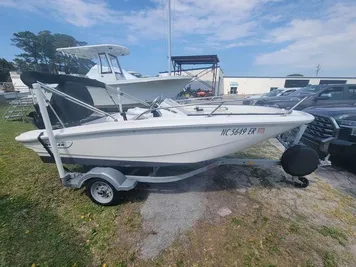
91, 51
195, 60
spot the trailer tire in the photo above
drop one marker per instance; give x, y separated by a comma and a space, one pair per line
303, 182
300, 160
101, 192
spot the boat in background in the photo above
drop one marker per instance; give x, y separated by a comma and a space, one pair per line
108, 70
18, 90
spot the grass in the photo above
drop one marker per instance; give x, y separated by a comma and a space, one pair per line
45, 224
334, 233
329, 260
240, 241
31, 234
294, 228
309, 263
235, 221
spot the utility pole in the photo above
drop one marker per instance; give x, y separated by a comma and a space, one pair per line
318, 67
169, 39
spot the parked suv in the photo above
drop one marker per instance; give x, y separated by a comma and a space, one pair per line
318, 95
332, 132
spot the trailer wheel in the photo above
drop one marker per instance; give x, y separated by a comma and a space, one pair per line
102, 192
303, 182
299, 160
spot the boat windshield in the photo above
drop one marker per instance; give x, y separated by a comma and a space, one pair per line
104, 63
115, 64
116, 67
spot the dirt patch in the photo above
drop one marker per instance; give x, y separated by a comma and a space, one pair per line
271, 223
270, 226
167, 212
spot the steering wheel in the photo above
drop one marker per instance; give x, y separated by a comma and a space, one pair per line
155, 101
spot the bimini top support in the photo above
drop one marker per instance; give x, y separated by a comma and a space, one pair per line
49, 130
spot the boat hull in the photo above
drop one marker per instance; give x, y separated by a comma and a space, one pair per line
161, 142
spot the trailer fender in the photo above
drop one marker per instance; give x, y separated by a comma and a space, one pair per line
117, 179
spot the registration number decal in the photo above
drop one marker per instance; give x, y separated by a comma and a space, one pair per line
242, 131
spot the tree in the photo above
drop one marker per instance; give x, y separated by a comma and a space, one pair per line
47, 50
5, 68
295, 75
69, 64
28, 42
23, 64
40, 52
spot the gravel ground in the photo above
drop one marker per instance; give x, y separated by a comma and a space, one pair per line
340, 179
174, 208
171, 209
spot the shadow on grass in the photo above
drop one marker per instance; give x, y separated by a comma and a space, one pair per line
32, 235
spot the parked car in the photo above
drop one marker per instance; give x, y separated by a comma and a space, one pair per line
318, 95
277, 92
332, 132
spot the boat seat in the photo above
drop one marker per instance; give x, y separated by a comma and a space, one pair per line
37, 118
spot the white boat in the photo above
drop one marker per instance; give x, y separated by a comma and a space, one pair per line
155, 141
165, 135
109, 71
20, 90
7, 96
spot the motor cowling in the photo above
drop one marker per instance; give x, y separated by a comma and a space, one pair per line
300, 160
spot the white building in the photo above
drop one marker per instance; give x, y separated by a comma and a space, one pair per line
249, 85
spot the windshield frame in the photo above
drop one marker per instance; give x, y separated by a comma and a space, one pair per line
115, 59
104, 63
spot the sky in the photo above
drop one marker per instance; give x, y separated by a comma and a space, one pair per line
250, 37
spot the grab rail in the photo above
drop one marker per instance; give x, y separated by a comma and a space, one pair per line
220, 103
215, 109
289, 111
208, 98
